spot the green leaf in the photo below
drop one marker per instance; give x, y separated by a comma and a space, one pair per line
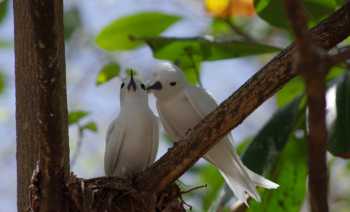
295, 87
219, 27
290, 173
334, 74
292, 89
90, 126
188, 53
75, 116
191, 65
271, 139
340, 2
3, 9
108, 72
339, 143
72, 21
210, 175
116, 36
273, 11
2, 81
170, 48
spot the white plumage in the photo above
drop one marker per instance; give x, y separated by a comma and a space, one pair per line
181, 107
132, 138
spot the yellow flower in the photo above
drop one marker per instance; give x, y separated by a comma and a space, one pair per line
227, 8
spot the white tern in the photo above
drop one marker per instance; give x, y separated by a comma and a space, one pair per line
182, 106
132, 138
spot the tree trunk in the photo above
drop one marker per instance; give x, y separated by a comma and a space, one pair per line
41, 103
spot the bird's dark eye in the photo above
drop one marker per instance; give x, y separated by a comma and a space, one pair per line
122, 85
143, 86
172, 83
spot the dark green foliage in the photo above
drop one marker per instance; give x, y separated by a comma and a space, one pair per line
2, 82
339, 143
273, 11
3, 9
210, 176
290, 172
72, 22
207, 49
292, 89
188, 53
271, 139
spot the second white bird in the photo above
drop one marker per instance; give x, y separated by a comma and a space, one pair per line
181, 107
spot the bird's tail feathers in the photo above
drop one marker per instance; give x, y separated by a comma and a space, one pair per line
241, 192
261, 181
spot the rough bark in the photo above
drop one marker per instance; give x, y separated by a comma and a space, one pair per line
239, 105
41, 105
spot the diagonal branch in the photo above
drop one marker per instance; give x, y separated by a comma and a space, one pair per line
239, 105
342, 56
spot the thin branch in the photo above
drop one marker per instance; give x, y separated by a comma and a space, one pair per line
238, 30
312, 64
194, 188
238, 106
78, 148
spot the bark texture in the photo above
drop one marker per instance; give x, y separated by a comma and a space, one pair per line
41, 103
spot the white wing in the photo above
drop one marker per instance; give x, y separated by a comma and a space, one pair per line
233, 171
167, 125
202, 102
114, 143
154, 140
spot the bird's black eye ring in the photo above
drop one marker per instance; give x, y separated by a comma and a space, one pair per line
122, 85
143, 86
172, 83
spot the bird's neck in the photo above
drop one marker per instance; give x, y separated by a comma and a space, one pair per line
134, 104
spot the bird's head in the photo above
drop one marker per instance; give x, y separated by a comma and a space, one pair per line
168, 80
132, 89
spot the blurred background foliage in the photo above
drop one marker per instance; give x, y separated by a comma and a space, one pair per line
218, 44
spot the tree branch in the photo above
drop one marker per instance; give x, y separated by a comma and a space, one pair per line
238, 106
313, 64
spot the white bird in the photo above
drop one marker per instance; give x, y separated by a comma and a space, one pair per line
182, 106
132, 138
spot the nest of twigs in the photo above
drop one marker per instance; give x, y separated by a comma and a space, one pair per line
107, 194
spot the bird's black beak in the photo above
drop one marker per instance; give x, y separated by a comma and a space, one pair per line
132, 83
156, 86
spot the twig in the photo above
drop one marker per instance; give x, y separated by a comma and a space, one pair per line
194, 188
311, 62
238, 106
78, 148
238, 31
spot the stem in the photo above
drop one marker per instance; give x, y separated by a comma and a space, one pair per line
313, 66
78, 148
